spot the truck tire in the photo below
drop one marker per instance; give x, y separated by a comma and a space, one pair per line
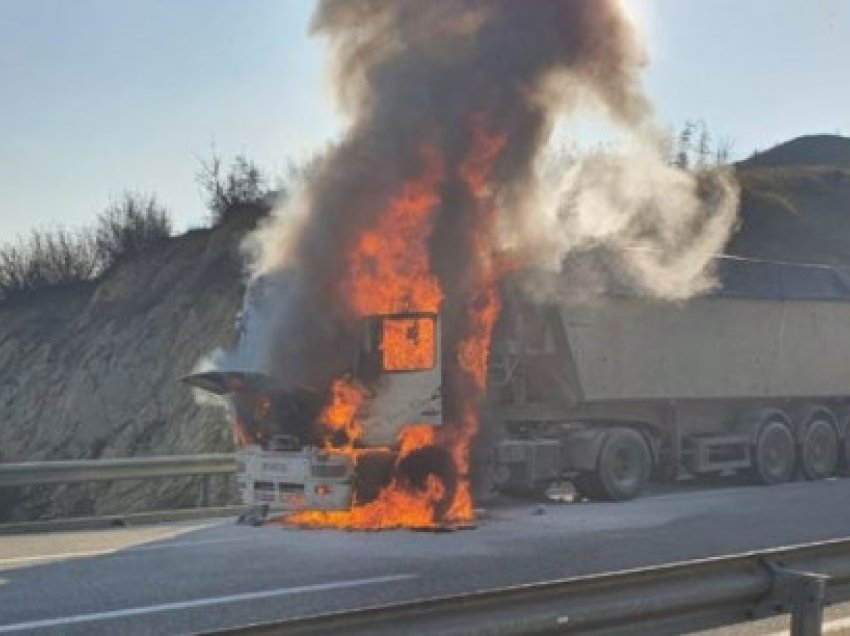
622, 469
819, 449
413, 471
373, 473
774, 455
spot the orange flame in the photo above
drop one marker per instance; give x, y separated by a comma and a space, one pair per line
241, 437
389, 271
337, 420
408, 344
397, 506
483, 306
255, 407
413, 438
388, 265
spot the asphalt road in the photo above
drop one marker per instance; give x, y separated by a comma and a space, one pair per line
191, 577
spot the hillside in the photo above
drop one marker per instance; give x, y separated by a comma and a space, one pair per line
796, 202
92, 371
830, 151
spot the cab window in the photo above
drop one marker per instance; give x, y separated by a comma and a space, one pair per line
408, 344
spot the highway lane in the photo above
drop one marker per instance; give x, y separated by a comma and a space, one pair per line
190, 577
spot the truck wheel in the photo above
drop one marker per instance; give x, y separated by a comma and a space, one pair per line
622, 469
415, 469
819, 453
774, 454
373, 473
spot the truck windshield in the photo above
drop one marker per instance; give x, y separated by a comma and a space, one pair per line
408, 343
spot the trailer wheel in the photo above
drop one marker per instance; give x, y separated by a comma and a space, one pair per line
775, 453
622, 470
819, 452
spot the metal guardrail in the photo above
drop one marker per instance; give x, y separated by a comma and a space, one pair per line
64, 472
669, 599
115, 469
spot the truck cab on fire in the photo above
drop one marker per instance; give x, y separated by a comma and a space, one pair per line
301, 449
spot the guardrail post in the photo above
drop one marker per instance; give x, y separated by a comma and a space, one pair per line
801, 594
204, 492
807, 604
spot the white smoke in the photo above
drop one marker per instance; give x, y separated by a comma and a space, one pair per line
271, 246
638, 221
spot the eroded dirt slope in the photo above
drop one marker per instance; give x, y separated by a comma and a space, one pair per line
93, 371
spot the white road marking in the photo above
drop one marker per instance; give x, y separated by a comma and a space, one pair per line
185, 544
201, 602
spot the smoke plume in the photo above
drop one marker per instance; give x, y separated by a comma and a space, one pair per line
632, 221
434, 191
410, 74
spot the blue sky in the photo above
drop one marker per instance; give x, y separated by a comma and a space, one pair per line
103, 95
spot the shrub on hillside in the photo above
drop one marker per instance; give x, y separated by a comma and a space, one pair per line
59, 257
244, 184
47, 259
131, 225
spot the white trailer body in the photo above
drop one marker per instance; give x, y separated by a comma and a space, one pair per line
753, 377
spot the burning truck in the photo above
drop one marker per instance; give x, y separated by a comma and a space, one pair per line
308, 448
390, 356
607, 393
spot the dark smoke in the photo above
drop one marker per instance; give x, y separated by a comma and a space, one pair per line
410, 73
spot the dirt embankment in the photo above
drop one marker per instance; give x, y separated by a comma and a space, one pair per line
91, 371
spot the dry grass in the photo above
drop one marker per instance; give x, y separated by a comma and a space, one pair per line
61, 258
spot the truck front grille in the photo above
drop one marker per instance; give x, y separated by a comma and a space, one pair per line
329, 470
289, 487
282, 486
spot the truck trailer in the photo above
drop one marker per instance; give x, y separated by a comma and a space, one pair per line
607, 392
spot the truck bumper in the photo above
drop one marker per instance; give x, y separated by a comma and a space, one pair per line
290, 481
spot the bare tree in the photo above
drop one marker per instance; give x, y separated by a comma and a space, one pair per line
698, 149
723, 150
703, 147
244, 184
684, 144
